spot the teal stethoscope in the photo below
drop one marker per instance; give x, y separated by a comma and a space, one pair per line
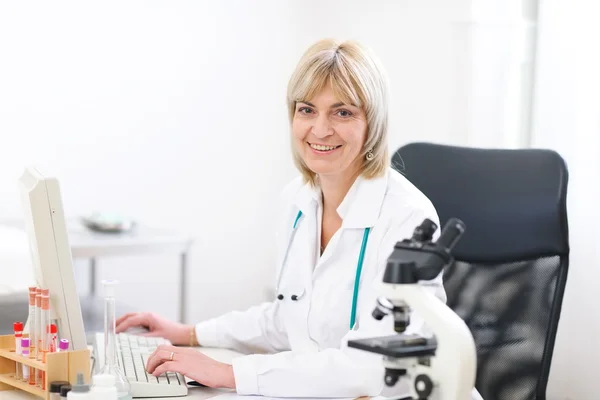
361, 257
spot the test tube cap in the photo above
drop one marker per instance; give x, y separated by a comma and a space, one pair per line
64, 344
18, 326
109, 287
25, 342
53, 328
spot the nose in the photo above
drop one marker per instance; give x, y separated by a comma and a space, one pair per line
322, 127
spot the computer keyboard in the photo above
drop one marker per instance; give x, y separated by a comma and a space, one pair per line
132, 355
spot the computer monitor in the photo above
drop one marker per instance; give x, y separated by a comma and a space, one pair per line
51, 253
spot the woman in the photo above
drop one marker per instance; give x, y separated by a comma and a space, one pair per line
347, 195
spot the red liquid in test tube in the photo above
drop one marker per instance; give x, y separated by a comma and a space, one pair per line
18, 328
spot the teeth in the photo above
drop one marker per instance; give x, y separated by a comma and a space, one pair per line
322, 148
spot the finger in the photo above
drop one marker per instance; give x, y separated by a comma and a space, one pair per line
150, 334
132, 322
124, 317
169, 366
159, 357
119, 322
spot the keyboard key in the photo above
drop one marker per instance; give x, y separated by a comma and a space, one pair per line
173, 379
133, 353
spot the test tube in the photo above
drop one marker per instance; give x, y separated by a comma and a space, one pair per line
37, 376
31, 321
53, 339
45, 345
63, 345
27, 371
41, 332
38, 333
18, 327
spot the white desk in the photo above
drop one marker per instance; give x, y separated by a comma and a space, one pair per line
89, 245
195, 393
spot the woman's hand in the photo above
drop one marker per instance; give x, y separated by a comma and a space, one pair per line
174, 332
192, 364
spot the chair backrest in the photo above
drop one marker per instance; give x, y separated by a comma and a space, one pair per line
508, 280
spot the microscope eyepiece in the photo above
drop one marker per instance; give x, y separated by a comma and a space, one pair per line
425, 231
452, 231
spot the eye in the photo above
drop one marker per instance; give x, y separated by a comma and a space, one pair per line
344, 113
305, 110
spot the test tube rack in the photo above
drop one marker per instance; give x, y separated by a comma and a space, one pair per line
61, 366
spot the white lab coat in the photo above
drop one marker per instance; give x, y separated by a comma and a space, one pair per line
303, 342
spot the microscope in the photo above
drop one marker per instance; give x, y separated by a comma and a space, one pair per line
441, 367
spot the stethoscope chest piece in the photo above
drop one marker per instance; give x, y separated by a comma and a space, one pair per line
298, 294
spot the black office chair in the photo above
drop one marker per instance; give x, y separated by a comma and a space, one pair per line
511, 264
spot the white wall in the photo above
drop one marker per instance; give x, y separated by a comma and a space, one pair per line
567, 118
173, 112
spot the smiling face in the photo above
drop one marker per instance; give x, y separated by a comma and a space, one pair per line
329, 135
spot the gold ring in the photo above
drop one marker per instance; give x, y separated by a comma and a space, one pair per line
172, 355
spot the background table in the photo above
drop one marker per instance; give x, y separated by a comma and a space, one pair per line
90, 245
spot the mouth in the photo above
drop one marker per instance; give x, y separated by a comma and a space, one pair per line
323, 149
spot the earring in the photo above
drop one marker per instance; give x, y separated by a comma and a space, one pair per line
370, 155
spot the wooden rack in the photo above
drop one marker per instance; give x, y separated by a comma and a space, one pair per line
62, 366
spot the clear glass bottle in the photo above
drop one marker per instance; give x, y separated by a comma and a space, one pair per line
111, 366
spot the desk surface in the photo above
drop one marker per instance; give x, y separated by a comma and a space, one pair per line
196, 393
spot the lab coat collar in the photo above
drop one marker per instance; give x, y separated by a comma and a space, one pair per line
308, 198
361, 206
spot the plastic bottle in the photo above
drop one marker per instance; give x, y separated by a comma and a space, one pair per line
55, 387
80, 391
64, 391
103, 387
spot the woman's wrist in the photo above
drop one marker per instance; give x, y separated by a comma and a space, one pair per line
185, 335
228, 377
192, 339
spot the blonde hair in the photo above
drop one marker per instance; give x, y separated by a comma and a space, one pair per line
356, 77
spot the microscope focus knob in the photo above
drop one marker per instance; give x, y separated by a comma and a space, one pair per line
423, 386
